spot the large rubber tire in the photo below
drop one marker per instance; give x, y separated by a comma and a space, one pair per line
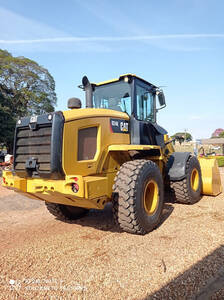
131, 206
188, 190
66, 212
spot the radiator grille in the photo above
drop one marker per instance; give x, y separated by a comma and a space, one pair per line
33, 144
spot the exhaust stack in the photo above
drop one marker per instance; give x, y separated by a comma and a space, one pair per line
89, 92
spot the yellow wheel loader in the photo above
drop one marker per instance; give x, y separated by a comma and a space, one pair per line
111, 151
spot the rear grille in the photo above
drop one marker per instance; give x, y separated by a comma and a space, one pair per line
33, 145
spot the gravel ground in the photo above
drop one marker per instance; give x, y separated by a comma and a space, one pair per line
43, 258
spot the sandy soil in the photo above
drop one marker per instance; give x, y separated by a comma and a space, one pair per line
44, 258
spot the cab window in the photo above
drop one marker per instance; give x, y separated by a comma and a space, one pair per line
145, 107
116, 96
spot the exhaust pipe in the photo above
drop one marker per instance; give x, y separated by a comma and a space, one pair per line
89, 92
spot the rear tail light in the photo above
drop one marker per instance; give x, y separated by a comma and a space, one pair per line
75, 187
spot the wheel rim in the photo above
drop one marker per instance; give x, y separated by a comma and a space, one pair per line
194, 180
151, 197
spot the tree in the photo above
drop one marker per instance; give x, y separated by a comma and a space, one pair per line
26, 88
181, 136
221, 135
217, 132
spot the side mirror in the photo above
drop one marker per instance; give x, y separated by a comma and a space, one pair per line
161, 98
74, 103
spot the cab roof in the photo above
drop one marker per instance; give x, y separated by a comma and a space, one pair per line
129, 75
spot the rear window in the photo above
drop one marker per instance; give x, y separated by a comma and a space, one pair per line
87, 141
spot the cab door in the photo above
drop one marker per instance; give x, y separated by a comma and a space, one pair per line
144, 130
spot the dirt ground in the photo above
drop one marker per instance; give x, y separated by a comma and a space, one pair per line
44, 258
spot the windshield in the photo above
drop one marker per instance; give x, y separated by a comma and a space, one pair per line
116, 96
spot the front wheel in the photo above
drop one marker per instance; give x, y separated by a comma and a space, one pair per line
188, 190
138, 196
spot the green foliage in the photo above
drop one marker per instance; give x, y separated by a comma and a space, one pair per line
220, 160
221, 135
180, 136
25, 89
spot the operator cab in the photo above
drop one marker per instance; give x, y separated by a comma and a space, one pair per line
134, 96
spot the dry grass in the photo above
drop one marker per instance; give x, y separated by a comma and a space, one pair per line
188, 147
92, 259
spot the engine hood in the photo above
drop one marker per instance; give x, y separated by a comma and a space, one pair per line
82, 113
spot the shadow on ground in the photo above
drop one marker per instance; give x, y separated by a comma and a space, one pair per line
103, 219
207, 277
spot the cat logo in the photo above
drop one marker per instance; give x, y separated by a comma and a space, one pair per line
119, 126
124, 126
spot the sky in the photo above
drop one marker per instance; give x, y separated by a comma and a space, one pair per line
176, 44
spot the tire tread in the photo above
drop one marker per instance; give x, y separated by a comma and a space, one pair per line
180, 188
59, 211
125, 186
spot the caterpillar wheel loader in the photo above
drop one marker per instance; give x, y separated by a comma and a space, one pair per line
111, 151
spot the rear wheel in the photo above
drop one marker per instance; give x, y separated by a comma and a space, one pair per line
66, 212
138, 196
188, 190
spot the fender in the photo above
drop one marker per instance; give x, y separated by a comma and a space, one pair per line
176, 166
